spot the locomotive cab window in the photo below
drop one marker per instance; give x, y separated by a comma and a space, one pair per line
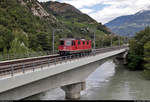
78, 42
68, 43
87, 43
83, 42
61, 42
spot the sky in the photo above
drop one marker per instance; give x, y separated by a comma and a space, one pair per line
106, 10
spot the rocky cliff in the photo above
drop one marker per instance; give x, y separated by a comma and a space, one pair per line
37, 9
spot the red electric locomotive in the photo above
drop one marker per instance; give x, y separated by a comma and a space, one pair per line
72, 46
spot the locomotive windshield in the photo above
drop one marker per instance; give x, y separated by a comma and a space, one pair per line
68, 43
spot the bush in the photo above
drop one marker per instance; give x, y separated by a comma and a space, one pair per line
138, 48
146, 74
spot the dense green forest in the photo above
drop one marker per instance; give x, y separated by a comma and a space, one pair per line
21, 32
139, 53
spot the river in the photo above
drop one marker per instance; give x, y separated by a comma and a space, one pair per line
108, 82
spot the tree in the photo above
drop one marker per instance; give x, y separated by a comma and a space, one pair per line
5, 37
21, 36
5, 51
42, 40
136, 52
18, 47
133, 57
147, 60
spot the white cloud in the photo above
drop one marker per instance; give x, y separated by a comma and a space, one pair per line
115, 9
81, 3
45, 0
87, 11
118, 8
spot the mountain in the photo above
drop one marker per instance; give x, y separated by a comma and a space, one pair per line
27, 25
58, 7
69, 15
130, 24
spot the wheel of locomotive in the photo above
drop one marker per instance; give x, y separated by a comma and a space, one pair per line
62, 53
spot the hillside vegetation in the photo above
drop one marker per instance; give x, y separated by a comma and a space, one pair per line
27, 26
19, 26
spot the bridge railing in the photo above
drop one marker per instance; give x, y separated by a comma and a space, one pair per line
24, 67
12, 56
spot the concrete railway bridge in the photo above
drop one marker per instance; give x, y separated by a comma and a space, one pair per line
26, 77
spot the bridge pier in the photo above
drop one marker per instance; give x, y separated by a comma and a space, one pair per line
72, 91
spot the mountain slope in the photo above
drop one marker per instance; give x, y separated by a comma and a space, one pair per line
21, 23
130, 24
74, 19
27, 25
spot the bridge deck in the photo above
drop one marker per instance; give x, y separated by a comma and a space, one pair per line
23, 75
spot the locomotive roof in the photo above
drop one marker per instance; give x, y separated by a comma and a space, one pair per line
67, 39
71, 39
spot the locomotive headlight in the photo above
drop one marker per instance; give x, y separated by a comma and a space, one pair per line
64, 47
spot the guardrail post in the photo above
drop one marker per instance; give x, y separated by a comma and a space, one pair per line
12, 70
48, 62
55, 61
41, 67
33, 66
60, 59
70, 58
23, 68
66, 59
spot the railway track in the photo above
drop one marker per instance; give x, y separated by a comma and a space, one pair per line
22, 65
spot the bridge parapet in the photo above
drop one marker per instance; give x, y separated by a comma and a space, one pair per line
22, 66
